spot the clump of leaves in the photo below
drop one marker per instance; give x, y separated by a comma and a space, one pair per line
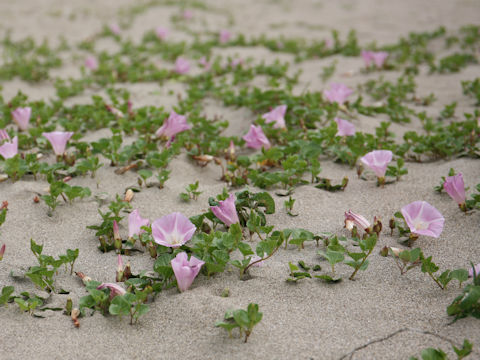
241, 319
468, 303
191, 193
439, 354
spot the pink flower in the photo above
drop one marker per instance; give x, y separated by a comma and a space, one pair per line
116, 231
91, 63
255, 138
182, 66
377, 160
455, 187
162, 33
226, 211
9, 148
173, 125
135, 223
58, 140
114, 289
470, 271
22, 117
377, 57
423, 219
187, 14
115, 28
354, 219
4, 135
2, 251
172, 230
186, 270
224, 36
120, 268
236, 62
338, 93
205, 63
345, 128
277, 115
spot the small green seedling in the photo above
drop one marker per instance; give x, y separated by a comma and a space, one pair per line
241, 319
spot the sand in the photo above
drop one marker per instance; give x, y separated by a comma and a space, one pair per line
381, 315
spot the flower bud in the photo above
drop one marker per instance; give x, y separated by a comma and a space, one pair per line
377, 226
2, 251
344, 182
75, 315
152, 249
68, 306
127, 271
128, 195
119, 275
85, 279
392, 225
384, 251
116, 236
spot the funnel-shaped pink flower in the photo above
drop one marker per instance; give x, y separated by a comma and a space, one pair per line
135, 223
338, 93
205, 63
162, 33
377, 160
455, 187
423, 219
226, 211
224, 36
344, 127
256, 139
277, 116
354, 219
172, 230
4, 135
173, 125
21, 116
115, 28
58, 140
91, 63
376, 57
187, 14
186, 270
182, 66
470, 271
114, 289
236, 62
9, 148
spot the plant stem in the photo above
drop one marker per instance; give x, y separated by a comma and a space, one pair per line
361, 264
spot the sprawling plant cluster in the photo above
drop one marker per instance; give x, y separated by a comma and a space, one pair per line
290, 135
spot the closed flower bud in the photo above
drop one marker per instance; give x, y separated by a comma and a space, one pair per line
128, 195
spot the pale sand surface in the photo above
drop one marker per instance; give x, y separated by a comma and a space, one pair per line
308, 320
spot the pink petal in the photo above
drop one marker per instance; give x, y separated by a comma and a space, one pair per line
277, 115
172, 230
455, 187
377, 160
58, 140
226, 211
423, 219
185, 271
21, 116
9, 149
135, 223
345, 128
256, 139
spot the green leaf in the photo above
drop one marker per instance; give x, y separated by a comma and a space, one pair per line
328, 279
120, 306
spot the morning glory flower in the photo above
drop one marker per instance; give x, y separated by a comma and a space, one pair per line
353, 219
377, 160
182, 66
455, 187
173, 125
58, 140
135, 223
185, 270
162, 33
115, 28
4, 135
91, 63
345, 128
423, 219
255, 138
277, 116
226, 211
470, 271
338, 93
9, 148
224, 36
21, 116
187, 14
205, 63
172, 230
114, 289
376, 57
